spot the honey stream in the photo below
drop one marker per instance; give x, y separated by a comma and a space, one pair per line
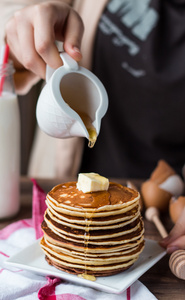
88, 221
90, 128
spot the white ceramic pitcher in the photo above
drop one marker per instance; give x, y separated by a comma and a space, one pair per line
68, 89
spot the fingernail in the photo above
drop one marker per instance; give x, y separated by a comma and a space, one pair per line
76, 49
171, 249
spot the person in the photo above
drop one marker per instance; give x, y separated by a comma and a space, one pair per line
129, 48
137, 51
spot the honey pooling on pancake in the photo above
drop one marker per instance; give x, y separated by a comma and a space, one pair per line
92, 234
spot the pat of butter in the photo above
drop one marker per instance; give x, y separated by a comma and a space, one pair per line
92, 182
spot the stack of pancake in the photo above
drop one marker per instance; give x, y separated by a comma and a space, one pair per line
97, 233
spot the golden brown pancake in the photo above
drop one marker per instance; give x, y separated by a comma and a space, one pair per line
99, 233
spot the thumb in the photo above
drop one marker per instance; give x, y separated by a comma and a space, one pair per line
179, 243
176, 237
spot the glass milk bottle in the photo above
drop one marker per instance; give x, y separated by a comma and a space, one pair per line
9, 144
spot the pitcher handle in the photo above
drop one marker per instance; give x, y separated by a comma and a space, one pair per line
69, 63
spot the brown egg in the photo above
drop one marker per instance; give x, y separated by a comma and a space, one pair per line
154, 196
162, 171
176, 206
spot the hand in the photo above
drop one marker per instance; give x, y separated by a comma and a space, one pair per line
32, 31
176, 238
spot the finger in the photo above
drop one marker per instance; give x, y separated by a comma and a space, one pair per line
179, 228
57, 23
177, 231
177, 244
29, 56
45, 22
73, 36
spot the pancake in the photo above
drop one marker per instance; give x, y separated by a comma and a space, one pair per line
73, 252
101, 249
97, 233
125, 215
90, 225
68, 197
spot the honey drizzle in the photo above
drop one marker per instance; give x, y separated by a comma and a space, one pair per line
92, 136
90, 128
88, 221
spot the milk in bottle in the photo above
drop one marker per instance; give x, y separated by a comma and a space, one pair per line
9, 146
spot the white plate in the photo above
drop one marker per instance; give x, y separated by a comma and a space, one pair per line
32, 259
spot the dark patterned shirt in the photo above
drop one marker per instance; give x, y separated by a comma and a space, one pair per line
139, 56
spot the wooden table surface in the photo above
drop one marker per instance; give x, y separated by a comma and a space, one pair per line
159, 279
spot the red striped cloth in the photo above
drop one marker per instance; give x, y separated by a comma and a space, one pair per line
19, 284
